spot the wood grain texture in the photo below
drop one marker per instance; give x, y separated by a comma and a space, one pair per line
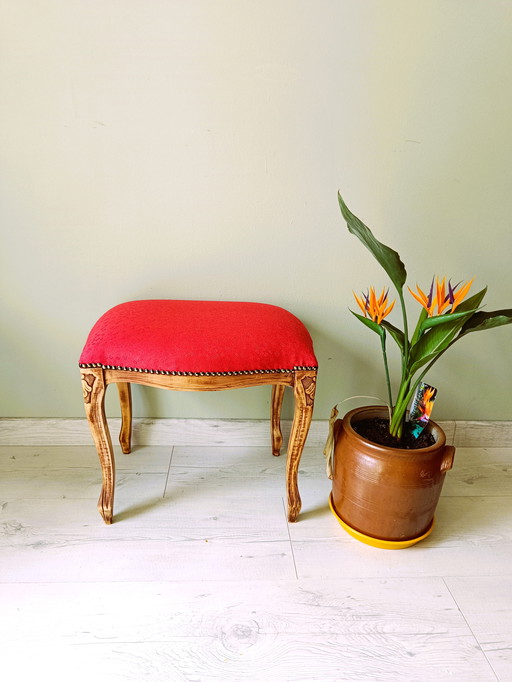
485, 472
474, 434
304, 392
94, 386
205, 580
276, 403
95, 382
220, 431
125, 401
487, 606
295, 631
199, 383
148, 459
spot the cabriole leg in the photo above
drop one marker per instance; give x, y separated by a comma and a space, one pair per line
93, 385
304, 390
275, 418
125, 435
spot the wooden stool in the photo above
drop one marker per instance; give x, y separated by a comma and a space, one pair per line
198, 346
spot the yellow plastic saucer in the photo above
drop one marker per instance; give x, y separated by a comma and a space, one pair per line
376, 542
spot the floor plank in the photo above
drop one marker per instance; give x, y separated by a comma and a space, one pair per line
288, 630
148, 459
480, 471
201, 577
487, 607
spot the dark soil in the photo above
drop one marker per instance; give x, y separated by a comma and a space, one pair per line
377, 431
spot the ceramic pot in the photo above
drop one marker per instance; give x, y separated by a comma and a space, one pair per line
386, 496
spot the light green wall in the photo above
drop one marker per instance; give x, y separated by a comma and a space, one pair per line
172, 149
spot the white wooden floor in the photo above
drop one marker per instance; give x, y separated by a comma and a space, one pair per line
201, 578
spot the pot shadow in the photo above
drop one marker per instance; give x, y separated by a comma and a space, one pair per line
471, 519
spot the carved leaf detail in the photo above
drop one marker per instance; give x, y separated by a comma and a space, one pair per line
309, 384
87, 384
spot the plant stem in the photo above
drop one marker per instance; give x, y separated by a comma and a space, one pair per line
398, 419
406, 326
386, 368
398, 412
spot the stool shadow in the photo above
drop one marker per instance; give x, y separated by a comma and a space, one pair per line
314, 513
137, 510
141, 509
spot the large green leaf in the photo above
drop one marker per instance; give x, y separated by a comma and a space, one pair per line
430, 322
431, 344
438, 338
481, 321
389, 259
370, 324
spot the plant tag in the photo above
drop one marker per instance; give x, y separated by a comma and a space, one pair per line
421, 408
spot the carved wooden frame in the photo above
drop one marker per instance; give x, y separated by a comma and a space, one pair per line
95, 381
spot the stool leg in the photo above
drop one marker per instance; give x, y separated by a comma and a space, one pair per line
125, 435
304, 390
275, 418
93, 384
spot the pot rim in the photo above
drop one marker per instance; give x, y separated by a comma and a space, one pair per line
434, 429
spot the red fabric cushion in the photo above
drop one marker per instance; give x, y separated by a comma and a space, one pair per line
198, 336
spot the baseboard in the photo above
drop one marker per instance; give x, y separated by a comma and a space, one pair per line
234, 432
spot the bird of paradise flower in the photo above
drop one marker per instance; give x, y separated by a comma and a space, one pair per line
440, 297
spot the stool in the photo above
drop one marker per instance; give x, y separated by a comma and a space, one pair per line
197, 346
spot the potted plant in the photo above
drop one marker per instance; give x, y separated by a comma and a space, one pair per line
387, 478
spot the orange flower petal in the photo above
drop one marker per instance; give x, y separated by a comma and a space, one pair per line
361, 303
388, 310
460, 295
420, 296
441, 299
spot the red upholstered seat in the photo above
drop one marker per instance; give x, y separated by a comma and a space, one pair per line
195, 337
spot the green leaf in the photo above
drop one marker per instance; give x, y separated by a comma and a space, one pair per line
438, 338
424, 361
431, 344
370, 323
387, 257
481, 321
396, 333
430, 322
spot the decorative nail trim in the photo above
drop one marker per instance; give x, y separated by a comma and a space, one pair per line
99, 365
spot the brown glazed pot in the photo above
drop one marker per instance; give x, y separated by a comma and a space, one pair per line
386, 493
